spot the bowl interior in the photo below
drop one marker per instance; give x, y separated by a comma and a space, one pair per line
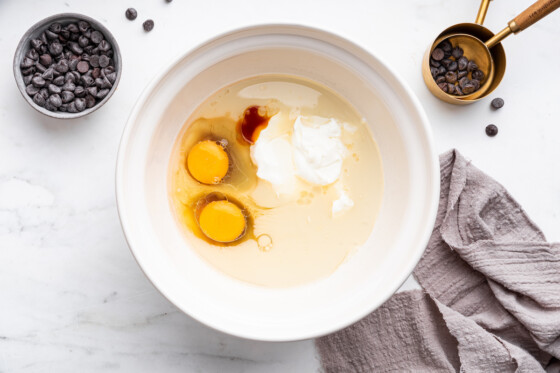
35, 32
361, 284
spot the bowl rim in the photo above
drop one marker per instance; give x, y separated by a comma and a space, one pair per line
23, 44
267, 28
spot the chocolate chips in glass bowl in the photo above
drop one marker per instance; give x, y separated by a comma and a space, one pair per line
67, 65
453, 72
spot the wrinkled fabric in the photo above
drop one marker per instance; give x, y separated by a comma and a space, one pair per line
491, 293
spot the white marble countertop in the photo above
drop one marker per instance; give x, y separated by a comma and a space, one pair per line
72, 296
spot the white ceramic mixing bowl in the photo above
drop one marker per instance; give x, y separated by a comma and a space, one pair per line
370, 276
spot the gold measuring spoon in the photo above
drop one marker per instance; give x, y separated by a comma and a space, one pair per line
489, 56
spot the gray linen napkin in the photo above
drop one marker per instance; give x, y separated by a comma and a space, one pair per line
491, 299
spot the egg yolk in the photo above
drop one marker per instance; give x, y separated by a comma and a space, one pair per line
222, 221
208, 162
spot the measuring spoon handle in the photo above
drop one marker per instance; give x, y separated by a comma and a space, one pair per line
533, 14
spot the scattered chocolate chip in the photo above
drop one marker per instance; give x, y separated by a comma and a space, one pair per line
497, 103
131, 14
491, 130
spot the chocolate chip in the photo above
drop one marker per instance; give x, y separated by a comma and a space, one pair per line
450, 88
39, 100
80, 104
472, 66
445, 46
83, 42
55, 27
92, 91
451, 77
462, 63
55, 100
83, 67
71, 108
452, 66
437, 53
497, 103
48, 74
51, 35
131, 14
83, 26
491, 130
45, 59
434, 63
44, 92
441, 70
27, 62
87, 80
468, 88
463, 81
35, 44
102, 93
457, 52
94, 61
462, 73
59, 81
27, 79
476, 84
477, 74
112, 77
62, 66
32, 90
79, 91
69, 86
38, 81
440, 79
74, 47
90, 101
96, 73
73, 28
104, 61
104, 46
33, 54
40, 68
458, 91
443, 87
73, 64
96, 37
55, 48
66, 96
446, 62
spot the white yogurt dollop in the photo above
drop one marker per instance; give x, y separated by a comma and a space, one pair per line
318, 149
309, 148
